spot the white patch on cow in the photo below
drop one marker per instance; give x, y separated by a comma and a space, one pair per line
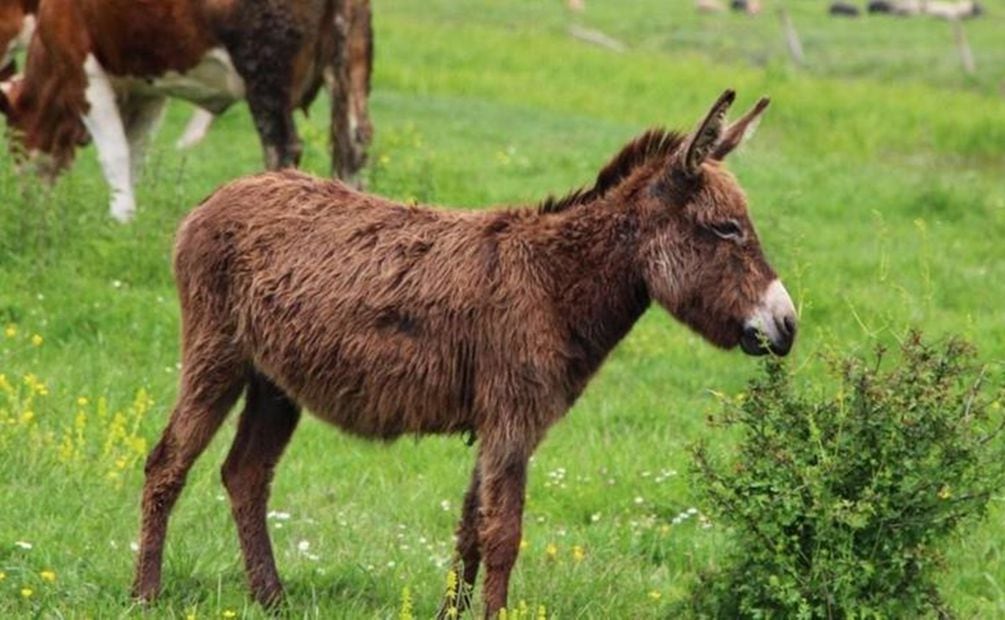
196, 129
775, 307
104, 123
213, 84
21, 40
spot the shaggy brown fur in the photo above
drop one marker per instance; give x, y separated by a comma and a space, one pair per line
386, 319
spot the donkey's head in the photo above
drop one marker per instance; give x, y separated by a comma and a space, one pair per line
700, 256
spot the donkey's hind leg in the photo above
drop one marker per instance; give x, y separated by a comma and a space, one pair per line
266, 425
468, 555
210, 385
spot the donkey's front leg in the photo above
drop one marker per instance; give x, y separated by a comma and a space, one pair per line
503, 483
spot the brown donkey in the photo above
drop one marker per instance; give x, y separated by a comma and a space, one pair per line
386, 319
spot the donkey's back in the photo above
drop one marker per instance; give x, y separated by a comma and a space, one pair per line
377, 316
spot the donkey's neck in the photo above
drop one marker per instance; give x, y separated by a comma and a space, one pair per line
599, 291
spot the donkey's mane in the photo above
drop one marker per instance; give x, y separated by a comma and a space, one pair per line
654, 143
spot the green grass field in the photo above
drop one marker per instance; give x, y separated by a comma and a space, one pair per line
876, 182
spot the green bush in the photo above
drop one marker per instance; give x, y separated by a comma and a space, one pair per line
840, 506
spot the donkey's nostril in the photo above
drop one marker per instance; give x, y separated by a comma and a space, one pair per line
787, 326
753, 341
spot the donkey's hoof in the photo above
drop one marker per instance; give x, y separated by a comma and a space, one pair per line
270, 597
144, 595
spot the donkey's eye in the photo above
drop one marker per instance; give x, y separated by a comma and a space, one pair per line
729, 229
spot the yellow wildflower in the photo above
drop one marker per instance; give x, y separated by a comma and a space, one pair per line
452, 584
945, 493
26, 592
229, 613
48, 575
10, 331
578, 553
551, 550
405, 613
27, 417
35, 384
523, 543
81, 401
542, 613
190, 616
37, 340
3, 575
655, 595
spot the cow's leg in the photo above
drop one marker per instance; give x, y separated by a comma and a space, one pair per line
142, 118
212, 378
266, 425
104, 123
276, 129
503, 466
196, 129
468, 555
349, 82
263, 48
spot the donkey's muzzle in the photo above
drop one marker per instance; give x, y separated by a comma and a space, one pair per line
772, 327
755, 342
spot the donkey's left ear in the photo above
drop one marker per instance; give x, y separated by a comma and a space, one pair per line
740, 130
704, 139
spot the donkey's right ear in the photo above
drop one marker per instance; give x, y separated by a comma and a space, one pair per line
704, 139
740, 130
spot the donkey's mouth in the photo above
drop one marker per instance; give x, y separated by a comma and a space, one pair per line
772, 326
754, 341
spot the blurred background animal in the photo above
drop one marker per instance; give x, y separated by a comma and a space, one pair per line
276, 55
709, 6
844, 9
750, 7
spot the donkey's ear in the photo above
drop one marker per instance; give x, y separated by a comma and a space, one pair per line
701, 143
740, 130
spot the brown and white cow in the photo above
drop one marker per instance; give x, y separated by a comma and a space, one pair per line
105, 68
17, 24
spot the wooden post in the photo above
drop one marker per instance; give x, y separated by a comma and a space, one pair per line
349, 81
791, 38
962, 47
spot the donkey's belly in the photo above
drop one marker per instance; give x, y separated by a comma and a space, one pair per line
379, 397
388, 416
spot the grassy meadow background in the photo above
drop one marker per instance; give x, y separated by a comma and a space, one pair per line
877, 182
